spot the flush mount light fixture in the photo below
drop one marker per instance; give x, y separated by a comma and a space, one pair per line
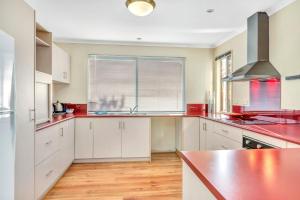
140, 7
210, 10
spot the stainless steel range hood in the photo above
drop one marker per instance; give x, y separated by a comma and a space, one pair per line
259, 66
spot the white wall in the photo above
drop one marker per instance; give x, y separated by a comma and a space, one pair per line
198, 71
284, 52
238, 46
17, 19
198, 68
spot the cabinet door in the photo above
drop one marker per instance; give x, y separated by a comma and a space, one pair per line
136, 137
202, 134
190, 134
67, 143
84, 139
60, 65
107, 138
56, 64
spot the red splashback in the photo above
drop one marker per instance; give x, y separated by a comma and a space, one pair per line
78, 108
195, 109
265, 95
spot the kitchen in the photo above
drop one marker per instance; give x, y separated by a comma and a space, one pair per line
113, 100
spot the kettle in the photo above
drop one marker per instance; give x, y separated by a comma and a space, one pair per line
59, 107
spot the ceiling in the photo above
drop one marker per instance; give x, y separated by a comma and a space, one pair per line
173, 22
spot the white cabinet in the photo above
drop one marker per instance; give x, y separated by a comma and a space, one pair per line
192, 187
107, 138
216, 141
188, 134
202, 134
54, 153
46, 143
66, 137
84, 138
111, 138
46, 174
222, 137
136, 137
60, 65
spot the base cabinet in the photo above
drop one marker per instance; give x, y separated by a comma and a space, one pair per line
193, 188
112, 138
84, 138
219, 142
136, 138
54, 153
188, 134
107, 138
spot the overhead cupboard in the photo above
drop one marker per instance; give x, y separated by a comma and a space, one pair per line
61, 61
50, 58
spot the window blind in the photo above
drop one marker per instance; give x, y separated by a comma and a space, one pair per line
153, 84
112, 84
160, 85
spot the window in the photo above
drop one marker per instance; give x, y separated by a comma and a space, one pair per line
222, 89
151, 84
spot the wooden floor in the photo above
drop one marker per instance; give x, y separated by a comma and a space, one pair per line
158, 180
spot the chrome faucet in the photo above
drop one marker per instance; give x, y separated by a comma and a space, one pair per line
134, 109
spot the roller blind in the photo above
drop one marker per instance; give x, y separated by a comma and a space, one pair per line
160, 85
112, 84
153, 84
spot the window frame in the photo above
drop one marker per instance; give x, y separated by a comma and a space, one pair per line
216, 82
137, 58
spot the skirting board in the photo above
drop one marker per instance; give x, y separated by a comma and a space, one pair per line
101, 160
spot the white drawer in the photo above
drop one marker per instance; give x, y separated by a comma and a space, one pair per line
46, 174
46, 143
229, 131
219, 142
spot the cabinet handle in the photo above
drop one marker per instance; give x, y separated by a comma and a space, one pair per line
225, 131
91, 126
49, 142
49, 173
224, 147
31, 114
123, 125
62, 132
65, 75
120, 125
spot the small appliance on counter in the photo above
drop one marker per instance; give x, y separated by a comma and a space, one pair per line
59, 108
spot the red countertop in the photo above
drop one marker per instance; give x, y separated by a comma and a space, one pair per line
248, 174
287, 132
60, 118
55, 120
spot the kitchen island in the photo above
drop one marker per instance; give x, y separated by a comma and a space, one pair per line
241, 174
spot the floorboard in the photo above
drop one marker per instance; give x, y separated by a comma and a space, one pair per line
158, 180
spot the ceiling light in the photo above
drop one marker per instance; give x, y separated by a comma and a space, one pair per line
140, 7
210, 10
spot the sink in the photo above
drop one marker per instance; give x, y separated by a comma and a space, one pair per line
135, 114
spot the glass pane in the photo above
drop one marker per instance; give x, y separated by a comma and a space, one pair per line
160, 85
112, 84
